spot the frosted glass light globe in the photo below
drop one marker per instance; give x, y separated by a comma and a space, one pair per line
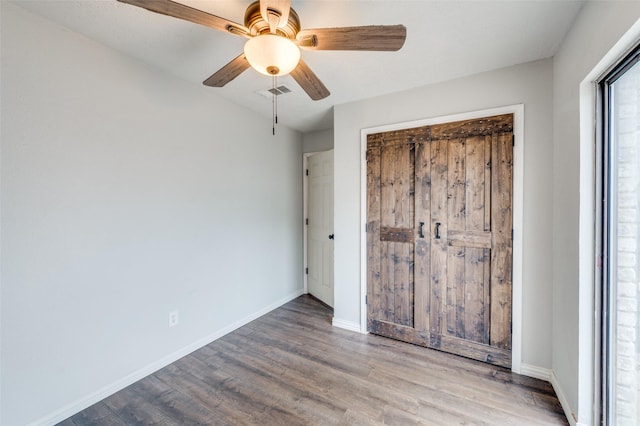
271, 54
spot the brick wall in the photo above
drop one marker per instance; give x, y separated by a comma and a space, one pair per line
627, 344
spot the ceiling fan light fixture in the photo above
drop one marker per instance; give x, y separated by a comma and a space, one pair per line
271, 54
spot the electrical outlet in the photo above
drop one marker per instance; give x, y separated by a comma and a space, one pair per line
173, 318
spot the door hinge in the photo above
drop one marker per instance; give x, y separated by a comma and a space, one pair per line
307, 172
512, 234
366, 300
306, 271
306, 222
513, 140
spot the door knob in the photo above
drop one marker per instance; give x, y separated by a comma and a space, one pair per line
331, 236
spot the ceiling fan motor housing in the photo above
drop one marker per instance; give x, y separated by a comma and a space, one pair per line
254, 21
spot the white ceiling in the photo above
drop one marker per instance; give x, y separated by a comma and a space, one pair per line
445, 39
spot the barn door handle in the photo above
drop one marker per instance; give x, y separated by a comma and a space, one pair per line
331, 236
421, 232
438, 230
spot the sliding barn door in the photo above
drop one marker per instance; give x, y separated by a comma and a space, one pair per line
439, 236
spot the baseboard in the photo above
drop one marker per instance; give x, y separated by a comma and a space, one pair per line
535, 372
547, 375
118, 385
568, 412
347, 325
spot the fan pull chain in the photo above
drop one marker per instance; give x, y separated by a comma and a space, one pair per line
274, 103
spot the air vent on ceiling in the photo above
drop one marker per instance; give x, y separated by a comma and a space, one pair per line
280, 90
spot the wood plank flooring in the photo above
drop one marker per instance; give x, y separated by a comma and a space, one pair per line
291, 367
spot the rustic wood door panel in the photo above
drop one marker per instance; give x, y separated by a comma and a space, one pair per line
392, 238
396, 232
467, 216
439, 236
502, 241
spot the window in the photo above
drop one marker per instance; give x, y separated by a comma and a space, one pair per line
620, 304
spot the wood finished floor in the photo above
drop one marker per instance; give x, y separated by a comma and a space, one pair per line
292, 367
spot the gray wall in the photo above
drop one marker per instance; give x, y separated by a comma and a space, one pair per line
127, 194
584, 54
530, 84
317, 141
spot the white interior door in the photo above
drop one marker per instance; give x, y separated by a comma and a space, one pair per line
320, 228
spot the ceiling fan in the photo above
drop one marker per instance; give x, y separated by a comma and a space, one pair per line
275, 38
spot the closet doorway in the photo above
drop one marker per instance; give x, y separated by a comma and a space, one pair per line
439, 236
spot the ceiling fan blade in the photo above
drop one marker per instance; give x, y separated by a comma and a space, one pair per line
275, 12
227, 73
309, 82
181, 11
371, 37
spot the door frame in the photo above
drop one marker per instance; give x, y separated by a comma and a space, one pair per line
518, 210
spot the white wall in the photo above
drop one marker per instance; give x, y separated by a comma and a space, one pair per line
593, 44
317, 141
127, 194
530, 84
